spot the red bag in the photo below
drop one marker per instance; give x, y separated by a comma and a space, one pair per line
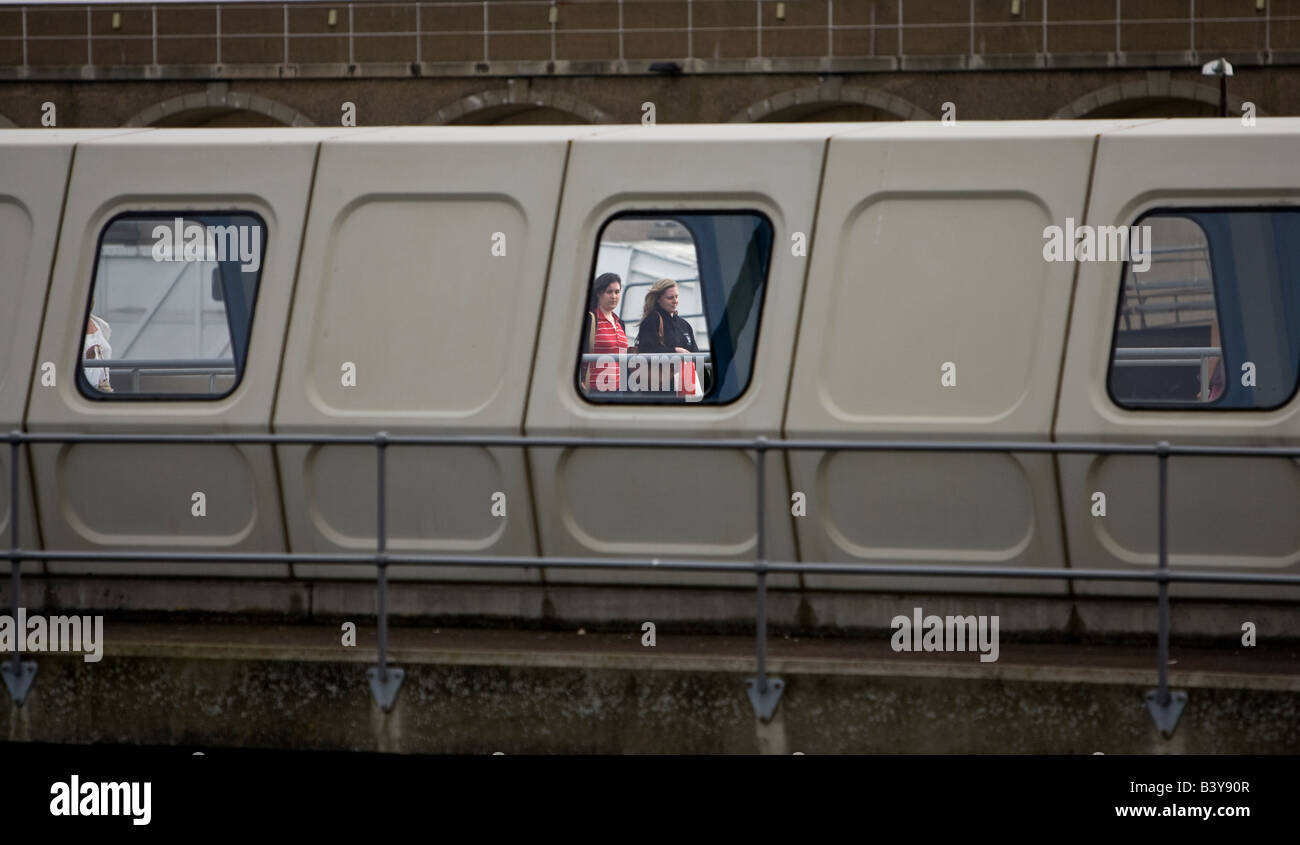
688, 384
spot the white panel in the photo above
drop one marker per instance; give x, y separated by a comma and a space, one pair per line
671, 504
1224, 514
116, 498
928, 263
423, 268
34, 166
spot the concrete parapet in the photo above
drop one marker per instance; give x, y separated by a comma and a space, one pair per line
530, 692
617, 607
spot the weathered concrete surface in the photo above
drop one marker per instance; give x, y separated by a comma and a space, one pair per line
525, 691
709, 610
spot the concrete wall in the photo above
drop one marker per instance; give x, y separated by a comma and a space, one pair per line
169, 688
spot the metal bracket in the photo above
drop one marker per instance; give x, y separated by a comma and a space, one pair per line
765, 702
385, 692
19, 683
1166, 716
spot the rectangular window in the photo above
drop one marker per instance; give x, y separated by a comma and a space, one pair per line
1214, 322
171, 305
673, 308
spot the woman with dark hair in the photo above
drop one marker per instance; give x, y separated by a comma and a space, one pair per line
606, 334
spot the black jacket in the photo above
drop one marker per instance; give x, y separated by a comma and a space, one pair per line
661, 331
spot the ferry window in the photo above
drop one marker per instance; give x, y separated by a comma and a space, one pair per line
171, 305
673, 307
1213, 322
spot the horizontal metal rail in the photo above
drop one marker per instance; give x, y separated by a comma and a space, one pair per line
210, 367
677, 564
622, 357
1166, 307
792, 444
1164, 706
1152, 353
206, 365
1162, 362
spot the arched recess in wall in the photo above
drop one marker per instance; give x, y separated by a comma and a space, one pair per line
831, 101
1155, 96
511, 105
217, 105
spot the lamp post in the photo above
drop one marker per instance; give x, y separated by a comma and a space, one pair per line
1221, 68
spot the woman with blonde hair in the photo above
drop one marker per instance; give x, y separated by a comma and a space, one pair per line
662, 330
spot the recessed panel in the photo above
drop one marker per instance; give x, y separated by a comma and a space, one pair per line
896, 504
178, 494
931, 285
414, 296
1222, 511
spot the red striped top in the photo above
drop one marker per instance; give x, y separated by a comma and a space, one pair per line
611, 339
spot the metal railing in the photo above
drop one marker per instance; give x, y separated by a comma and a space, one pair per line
1164, 705
210, 367
1170, 292
883, 37
1155, 356
1172, 356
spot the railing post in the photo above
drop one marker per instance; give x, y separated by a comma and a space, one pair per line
830, 28
900, 28
1119, 16
764, 692
1165, 707
384, 682
18, 673
690, 30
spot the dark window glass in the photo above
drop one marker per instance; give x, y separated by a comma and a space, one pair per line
171, 306
1214, 322
684, 322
